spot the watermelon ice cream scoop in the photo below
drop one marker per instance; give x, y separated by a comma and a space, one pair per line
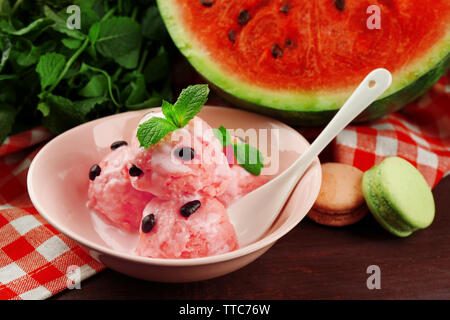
179, 229
188, 162
110, 192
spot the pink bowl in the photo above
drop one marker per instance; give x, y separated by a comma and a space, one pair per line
58, 183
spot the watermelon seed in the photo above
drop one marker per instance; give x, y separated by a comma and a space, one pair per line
118, 144
285, 8
232, 36
189, 208
244, 17
185, 153
207, 3
94, 172
134, 171
340, 4
288, 42
148, 223
277, 52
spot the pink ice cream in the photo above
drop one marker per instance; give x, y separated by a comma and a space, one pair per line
188, 162
149, 191
242, 183
111, 194
205, 232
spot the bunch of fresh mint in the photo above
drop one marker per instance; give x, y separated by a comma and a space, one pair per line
60, 77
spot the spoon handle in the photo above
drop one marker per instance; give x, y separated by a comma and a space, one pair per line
375, 83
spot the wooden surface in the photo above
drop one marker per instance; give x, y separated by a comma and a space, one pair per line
315, 262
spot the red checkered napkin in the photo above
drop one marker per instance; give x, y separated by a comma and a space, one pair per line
420, 133
36, 261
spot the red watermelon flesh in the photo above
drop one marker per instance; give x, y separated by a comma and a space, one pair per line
313, 45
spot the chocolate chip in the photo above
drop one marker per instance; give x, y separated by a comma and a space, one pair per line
185, 153
148, 223
339, 4
94, 172
243, 17
135, 171
207, 3
232, 36
277, 52
285, 8
189, 208
118, 144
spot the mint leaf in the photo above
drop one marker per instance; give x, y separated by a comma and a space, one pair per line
88, 16
223, 136
153, 25
49, 67
116, 37
7, 115
87, 105
168, 110
190, 102
30, 57
5, 8
153, 130
93, 33
138, 90
62, 113
71, 43
44, 108
151, 102
248, 157
166, 91
129, 60
36, 25
157, 68
5, 48
7, 76
96, 87
85, 68
60, 24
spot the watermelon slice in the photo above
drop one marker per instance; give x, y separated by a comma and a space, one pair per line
300, 59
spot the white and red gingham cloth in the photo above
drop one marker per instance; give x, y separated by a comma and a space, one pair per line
420, 133
36, 260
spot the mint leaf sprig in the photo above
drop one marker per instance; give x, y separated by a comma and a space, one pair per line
248, 157
178, 115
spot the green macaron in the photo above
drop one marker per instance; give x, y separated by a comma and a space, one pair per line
398, 196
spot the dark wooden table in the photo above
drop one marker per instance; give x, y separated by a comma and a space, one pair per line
315, 262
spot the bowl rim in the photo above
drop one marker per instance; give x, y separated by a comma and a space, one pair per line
265, 241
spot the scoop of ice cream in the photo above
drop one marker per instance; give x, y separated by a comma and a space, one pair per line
111, 194
171, 230
188, 162
242, 183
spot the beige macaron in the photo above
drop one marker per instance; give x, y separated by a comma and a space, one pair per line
340, 201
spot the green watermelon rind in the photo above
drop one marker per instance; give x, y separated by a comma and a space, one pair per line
307, 108
377, 109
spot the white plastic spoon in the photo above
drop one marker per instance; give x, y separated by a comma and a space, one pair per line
253, 214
